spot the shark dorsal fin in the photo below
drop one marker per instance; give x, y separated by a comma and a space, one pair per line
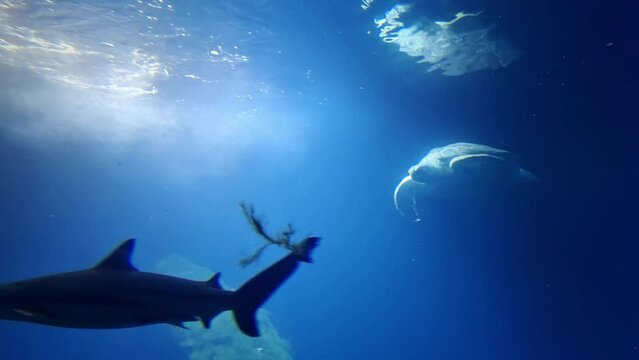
119, 258
214, 281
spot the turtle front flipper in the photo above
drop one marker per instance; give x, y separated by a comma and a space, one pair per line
483, 166
405, 197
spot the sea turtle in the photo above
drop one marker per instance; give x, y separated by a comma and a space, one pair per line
458, 170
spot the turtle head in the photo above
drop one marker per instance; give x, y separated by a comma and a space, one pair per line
421, 173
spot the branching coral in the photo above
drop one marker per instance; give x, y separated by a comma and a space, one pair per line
226, 343
282, 239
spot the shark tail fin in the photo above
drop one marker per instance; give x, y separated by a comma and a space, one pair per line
256, 291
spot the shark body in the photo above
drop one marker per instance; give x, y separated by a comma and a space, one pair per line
114, 294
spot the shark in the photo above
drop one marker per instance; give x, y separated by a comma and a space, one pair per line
115, 294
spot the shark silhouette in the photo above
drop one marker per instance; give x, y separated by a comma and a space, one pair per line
114, 294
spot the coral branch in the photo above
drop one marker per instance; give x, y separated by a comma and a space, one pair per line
256, 255
283, 239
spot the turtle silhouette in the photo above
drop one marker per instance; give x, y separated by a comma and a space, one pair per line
459, 170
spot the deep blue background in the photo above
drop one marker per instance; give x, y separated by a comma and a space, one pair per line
547, 275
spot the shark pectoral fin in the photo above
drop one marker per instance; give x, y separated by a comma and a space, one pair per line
178, 324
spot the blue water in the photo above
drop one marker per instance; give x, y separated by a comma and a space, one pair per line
316, 126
